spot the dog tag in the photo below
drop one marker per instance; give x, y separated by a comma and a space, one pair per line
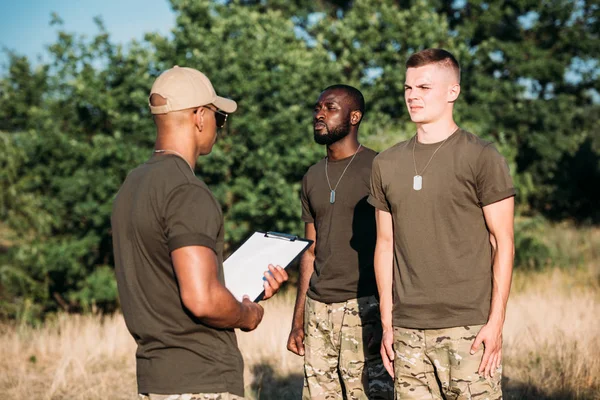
417, 182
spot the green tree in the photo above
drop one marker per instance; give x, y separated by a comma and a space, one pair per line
69, 141
21, 96
72, 128
529, 81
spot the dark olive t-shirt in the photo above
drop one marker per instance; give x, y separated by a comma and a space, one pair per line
442, 251
345, 230
161, 207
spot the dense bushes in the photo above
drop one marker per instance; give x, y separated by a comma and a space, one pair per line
72, 128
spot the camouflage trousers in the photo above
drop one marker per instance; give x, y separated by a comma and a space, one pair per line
191, 396
342, 358
437, 364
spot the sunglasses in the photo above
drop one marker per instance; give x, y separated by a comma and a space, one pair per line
220, 116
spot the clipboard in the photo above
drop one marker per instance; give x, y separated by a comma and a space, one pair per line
244, 269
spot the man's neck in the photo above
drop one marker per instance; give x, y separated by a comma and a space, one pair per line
344, 148
175, 144
435, 132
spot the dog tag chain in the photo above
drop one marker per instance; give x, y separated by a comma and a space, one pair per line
418, 178
332, 191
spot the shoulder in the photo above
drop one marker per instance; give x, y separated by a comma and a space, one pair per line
192, 199
367, 154
479, 153
179, 182
197, 186
315, 168
197, 192
167, 171
392, 153
472, 141
174, 173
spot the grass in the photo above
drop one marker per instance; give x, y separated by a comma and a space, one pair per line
551, 342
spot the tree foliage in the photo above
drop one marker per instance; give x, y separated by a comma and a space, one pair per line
73, 127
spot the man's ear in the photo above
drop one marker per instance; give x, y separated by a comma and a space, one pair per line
453, 92
355, 117
199, 118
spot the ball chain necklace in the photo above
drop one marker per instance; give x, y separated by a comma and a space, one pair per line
167, 151
418, 178
332, 191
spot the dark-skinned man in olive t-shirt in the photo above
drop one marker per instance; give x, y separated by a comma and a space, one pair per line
336, 317
168, 243
444, 254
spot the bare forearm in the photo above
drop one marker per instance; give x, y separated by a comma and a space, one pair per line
221, 310
502, 277
384, 275
204, 296
384, 272
306, 270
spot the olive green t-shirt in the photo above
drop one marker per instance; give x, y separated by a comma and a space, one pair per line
442, 251
346, 231
161, 207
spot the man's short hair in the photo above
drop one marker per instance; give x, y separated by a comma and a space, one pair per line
357, 99
434, 56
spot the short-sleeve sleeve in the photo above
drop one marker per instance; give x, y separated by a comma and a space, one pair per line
494, 182
307, 213
192, 218
377, 196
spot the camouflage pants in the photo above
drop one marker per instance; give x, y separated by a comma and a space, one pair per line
190, 396
437, 364
342, 359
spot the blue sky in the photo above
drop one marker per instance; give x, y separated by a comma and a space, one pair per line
25, 24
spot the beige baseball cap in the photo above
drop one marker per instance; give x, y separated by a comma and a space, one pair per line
185, 88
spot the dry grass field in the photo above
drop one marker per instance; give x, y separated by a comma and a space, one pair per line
552, 343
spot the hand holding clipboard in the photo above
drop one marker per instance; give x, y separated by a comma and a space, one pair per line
245, 267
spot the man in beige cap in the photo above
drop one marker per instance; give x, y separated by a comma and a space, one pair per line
168, 244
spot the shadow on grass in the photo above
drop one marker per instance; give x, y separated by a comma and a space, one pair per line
267, 385
515, 390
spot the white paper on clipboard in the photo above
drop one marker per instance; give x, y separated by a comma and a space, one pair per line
244, 269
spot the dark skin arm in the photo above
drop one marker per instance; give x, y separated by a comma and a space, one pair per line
296, 339
207, 299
